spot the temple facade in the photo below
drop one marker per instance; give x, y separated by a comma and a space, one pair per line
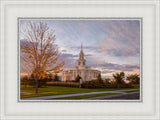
81, 69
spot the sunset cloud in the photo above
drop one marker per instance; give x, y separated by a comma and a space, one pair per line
108, 45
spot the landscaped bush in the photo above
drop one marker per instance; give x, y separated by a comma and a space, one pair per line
92, 84
42, 83
32, 82
64, 84
95, 84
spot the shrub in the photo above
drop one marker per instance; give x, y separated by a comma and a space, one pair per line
92, 84
64, 84
95, 84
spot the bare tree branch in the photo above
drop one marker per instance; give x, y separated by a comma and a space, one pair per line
39, 52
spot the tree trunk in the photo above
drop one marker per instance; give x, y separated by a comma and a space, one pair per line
36, 74
36, 85
25, 84
36, 82
118, 85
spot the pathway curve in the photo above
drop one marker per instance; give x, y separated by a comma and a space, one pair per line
127, 96
79, 94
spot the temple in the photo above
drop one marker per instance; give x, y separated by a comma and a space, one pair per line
84, 71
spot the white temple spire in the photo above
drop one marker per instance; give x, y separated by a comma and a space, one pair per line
81, 45
81, 60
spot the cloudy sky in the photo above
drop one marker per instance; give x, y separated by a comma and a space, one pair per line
109, 45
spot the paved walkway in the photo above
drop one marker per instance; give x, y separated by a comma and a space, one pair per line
79, 94
127, 96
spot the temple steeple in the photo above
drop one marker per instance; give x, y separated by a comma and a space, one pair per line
81, 61
81, 54
81, 45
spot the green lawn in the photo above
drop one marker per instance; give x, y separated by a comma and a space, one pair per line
84, 96
55, 90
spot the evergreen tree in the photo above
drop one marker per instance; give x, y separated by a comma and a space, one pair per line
25, 80
107, 80
56, 78
77, 79
99, 79
119, 78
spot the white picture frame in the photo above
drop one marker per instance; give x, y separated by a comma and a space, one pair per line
11, 108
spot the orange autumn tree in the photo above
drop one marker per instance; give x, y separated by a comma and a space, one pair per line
39, 50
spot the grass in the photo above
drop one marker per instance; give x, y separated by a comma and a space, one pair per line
84, 96
56, 90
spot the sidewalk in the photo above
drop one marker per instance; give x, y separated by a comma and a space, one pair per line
127, 96
79, 94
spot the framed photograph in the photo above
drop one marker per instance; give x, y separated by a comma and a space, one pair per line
80, 60
94, 70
